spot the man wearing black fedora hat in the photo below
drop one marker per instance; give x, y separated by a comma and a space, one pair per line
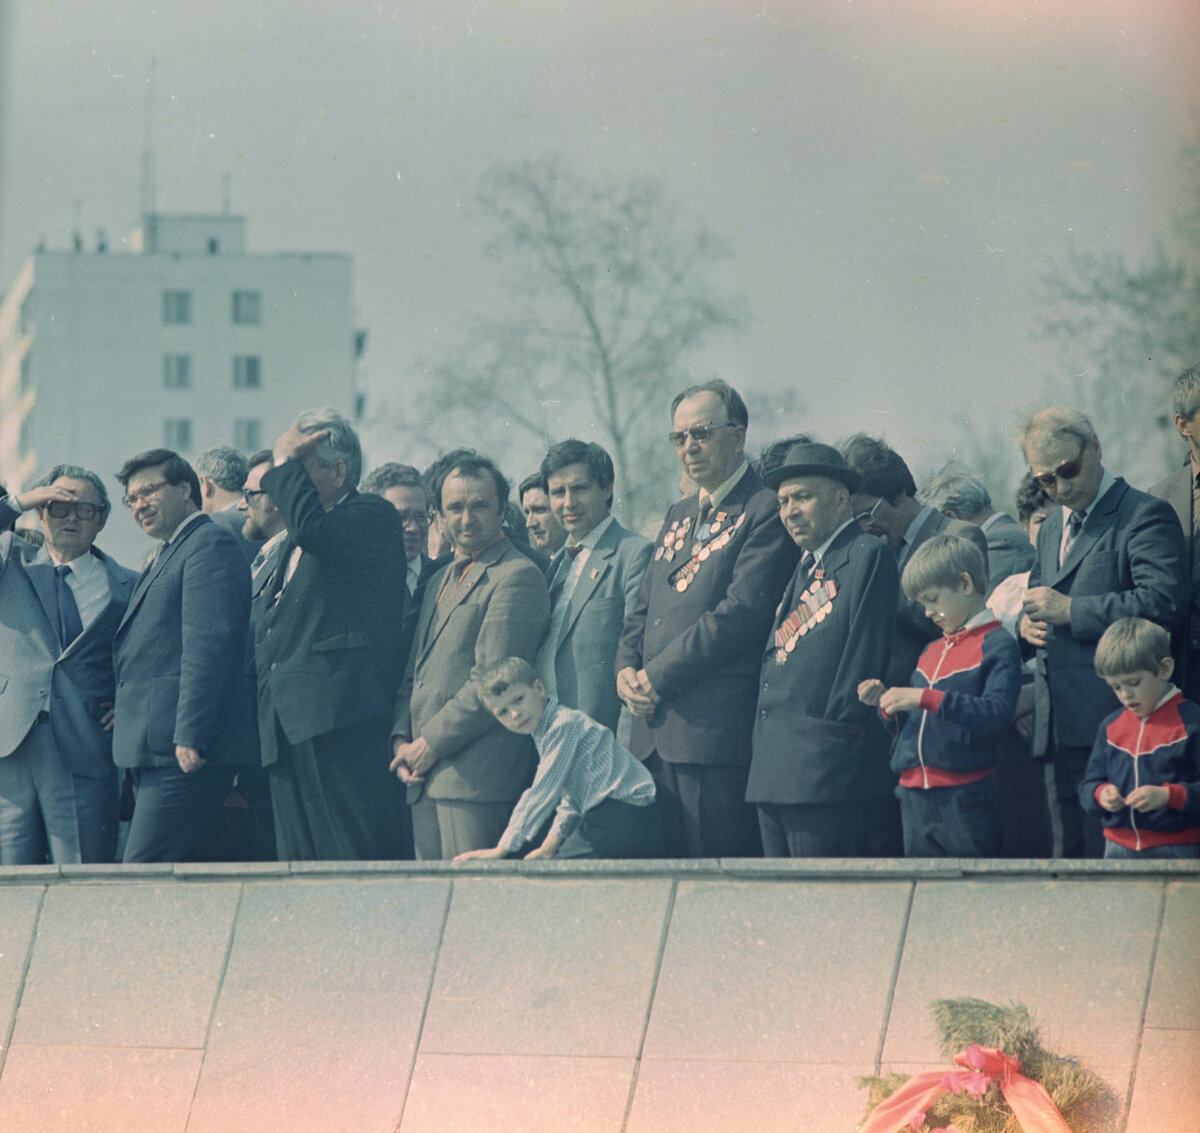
819, 771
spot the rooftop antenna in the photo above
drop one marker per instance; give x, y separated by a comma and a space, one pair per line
148, 190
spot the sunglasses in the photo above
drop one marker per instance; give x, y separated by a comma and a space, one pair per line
1066, 471
60, 509
698, 433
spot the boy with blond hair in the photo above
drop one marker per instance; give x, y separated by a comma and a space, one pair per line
961, 703
1143, 777
597, 799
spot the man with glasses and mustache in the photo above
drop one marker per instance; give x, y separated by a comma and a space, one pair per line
184, 716
1107, 551
62, 603
691, 648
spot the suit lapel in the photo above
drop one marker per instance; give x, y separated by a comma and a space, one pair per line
1094, 526
165, 554
598, 564
41, 575
456, 594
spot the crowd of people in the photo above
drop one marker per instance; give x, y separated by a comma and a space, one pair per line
811, 658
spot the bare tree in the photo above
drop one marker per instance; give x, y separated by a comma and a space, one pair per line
607, 299
1126, 330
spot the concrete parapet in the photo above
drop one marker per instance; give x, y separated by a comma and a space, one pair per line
624, 996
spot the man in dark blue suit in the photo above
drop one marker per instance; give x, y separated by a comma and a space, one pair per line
60, 607
820, 774
185, 719
1106, 552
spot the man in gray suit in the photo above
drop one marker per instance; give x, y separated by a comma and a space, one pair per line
62, 603
1179, 490
960, 495
885, 504
222, 472
594, 581
464, 770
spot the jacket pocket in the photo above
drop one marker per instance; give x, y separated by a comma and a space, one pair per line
355, 639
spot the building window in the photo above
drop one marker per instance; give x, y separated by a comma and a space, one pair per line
177, 371
247, 372
247, 434
177, 433
177, 308
247, 308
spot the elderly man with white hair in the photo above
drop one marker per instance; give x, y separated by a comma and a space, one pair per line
1107, 551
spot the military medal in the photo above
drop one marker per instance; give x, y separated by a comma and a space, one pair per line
683, 577
815, 605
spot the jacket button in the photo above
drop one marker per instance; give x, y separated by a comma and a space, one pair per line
763, 714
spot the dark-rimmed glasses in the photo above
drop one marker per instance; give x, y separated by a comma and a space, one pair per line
698, 433
248, 494
60, 509
1065, 471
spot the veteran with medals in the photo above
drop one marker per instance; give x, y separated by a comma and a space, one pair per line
819, 773
687, 664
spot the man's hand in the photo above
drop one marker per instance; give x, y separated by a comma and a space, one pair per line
188, 758
479, 855
46, 494
1110, 798
870, 691
1036, 633
300, 445
900, 700
1045, 604
1147, 798
635, 689
411, 759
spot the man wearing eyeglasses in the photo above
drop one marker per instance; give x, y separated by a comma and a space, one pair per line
184, 716
690, 651
62, 603
1106, 552
885, 504
402, 487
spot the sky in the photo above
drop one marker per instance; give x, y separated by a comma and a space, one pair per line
893, 178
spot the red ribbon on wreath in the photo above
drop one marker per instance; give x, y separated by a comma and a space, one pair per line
981, 1065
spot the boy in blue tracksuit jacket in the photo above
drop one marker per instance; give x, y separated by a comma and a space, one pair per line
1143, 776
963, 698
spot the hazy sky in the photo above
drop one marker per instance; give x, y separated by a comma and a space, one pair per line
892, 178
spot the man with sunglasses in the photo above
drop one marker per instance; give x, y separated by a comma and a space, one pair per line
691, 649
62, 603
1106, 552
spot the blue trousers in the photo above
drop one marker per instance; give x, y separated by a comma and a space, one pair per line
951, 822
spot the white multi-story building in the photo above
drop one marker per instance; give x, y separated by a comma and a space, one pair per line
186, 342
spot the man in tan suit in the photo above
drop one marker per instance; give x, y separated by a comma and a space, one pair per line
463, 769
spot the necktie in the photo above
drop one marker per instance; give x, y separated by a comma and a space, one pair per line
808, 563
70, 625
1074, 526
564, 572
